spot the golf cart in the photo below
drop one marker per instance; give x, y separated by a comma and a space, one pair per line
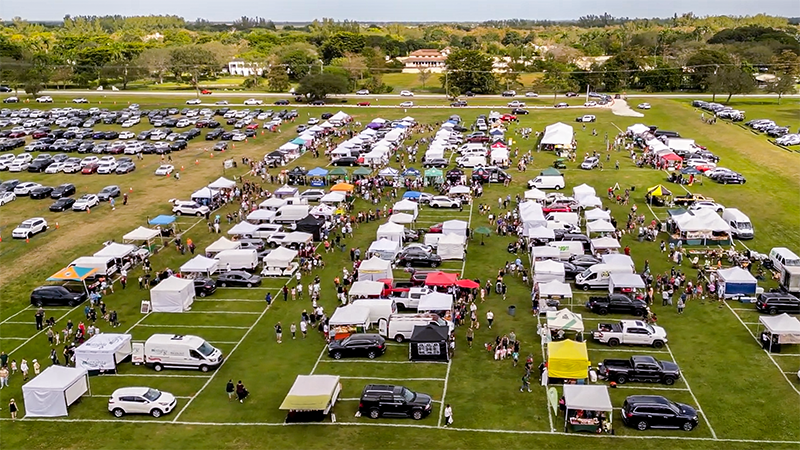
560, 163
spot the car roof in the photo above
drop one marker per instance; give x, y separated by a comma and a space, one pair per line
130, 391
647, 399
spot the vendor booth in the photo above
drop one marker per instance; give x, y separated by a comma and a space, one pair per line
438, 303
557, 136
618, 259
311, 225
273, 203
384, 249
547, 270
76, 274
625, 283
441, 279
280, 263
50, 393
401, 218
286, 191
119, 252
391, 231
220, 245
366, 289
261, 215
535, 194
555, 290
451, 246
736, 282
583, 190
544, 253
204, 196
658, 195
587, 408
317, 176
605, 245
144, 235
311, 398
429, 343
243, 229
200, 264
222, 183
596, 214
297, 238
333, 198
406, 206
567, 360
599, 227
777, 331
563, 321
172, 295
700, 227
102, 352
375, 269
347, 320
458, 227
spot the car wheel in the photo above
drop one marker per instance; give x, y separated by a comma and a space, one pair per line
38, 303
399, 338
71, 303
453, 206
204, 368
158, 367
118, 412
202, 294
639, 313
613, 342
436, 205
30, 235
558, 188
669, 381
372, 355
417, 414
223, 284
374, 413
408, 264
642, 425
198, 214
249, 285
622, 379
178, 213
156, 413
435, 264
658, 344
688, 426
585, 287
602, 311
773, 311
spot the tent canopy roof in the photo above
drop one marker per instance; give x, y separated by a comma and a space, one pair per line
222, 183
350, 315
555, 288
376, 264
736, 275
366, 288
221, 244
242, 228
317, 172
592, 397
558, 134
441, 279
311, 393
280, 257
115, 250
200, 264
162, 219
429, 333
564, 320
56, 378
632, 280
141, 234
435, 301
172, 284
782, 324
567, 359
72, 274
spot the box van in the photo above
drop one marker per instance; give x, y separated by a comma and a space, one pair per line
104, 265
239, 259
172, 351
596, 276
401, 326
782, 257
379, 308
471, 146
471, 161
740, 224
410, 299
568, 248
547, 182
290, 214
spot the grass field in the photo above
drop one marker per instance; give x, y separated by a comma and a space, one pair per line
748, 399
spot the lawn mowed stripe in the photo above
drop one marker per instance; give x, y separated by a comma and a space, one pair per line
141, 333
202, 319
181, 387
211, 304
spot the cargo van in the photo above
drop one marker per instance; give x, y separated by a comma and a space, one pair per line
172, 351
790, 279
104, 265
239, 259
379, 308
401, 326
547, 182
296, 201
782, 257
471, 161
290, 214
567, 249
471, 146
596, 276
740, 224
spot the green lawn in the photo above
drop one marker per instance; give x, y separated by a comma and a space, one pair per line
741, 393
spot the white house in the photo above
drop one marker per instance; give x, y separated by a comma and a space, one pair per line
244, 68
428, 59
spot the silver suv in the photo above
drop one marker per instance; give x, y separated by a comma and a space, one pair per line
189, 208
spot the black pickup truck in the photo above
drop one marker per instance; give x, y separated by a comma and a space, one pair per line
639, 368
616, 303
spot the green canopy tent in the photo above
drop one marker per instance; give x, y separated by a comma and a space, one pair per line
338, 173
433, 176
362, 172
483, 231
550, 171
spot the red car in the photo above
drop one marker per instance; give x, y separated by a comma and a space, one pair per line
252, 126
436, 228
205, 92
38, 134
394, 287
17, 134
363, 103
508, 117
90, 168
556, 208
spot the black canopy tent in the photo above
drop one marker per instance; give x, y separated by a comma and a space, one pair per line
297, 176
429, 343
312, 225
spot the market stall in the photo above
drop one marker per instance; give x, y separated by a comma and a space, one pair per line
222, 183
599, 227
50, 393
605, 245
563, 321
280, 263
437, 302
547, 270
384, 249
311, 398
557, 136
535, 194
406, 206
312, 225
587, 408
567, 360
401, 218
172, 295
286, 191
441, 279
220, 245
261, 215
391, 231
618, 259
458, 227
699, 227
429, 343
778, 331
347, 320
200, 264
143, 235
625, 283
122, 254
243, 229
375, 269
451, 246
102, 352
366, 289
736, 282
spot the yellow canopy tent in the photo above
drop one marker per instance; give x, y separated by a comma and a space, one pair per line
567, 359
659, 191
344, 187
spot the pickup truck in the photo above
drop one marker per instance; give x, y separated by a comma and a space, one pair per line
395, 287
689, 199
586, 118
616, 303
630, 332
639, 368
409, 299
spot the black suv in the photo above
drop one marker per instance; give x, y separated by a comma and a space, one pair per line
204, 286
778, 302
360, 344
416, 256
384, 400
56, 295
654, 411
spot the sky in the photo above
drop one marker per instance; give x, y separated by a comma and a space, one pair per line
391, 11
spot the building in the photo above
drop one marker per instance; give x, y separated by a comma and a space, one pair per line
244, 68
426, 59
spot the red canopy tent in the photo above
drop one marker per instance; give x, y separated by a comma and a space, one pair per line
441, 279
467, 284
671, 157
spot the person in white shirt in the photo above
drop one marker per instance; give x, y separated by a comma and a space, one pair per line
303, 328
448, 415
490, 318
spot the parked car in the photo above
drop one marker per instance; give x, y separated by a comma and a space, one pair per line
706, 204
418, 257
164, 170
630, 332
435, 162
56, 295
639, 368
616, 303
586, 118
204, 287
561, 105
28, 228
363, 104
362, 92
644, 106
85, 201
7, 197
590, 163
405, 93
345, 161
108, 192
407, 104
238, 278
312, 195
190, 208
654, 411
531, 94
25, 188
41, 192
141, 400
359, 344
730, 178
442, 201
125, 167
378, 400
777, 302
62, 204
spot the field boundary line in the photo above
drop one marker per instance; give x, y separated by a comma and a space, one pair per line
222, 312
42, 331
624, 350
137, 323
387, 379
221, 327
372, 361
229, 300
319, 358
444, 390
152, 375
697, 402
27, 308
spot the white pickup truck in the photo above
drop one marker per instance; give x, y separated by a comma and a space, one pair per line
630, 332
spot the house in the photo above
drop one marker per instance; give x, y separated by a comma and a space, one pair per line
244, 68
426, 59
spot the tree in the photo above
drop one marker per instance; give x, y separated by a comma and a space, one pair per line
732, 80
786, 62
156, 61
340, 43
557, 79
469, 70
424, 75
782, 85
318, 86
278, 79
194, 60
703, 64
353, 65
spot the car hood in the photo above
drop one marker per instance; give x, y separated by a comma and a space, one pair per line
425, 399
669, 366
166, 398
687, 410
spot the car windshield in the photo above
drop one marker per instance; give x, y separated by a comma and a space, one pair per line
206, 349
586, 273
24, 225
408, 395
152, 394
650, 329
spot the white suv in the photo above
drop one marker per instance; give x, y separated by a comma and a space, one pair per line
189, 208
28, 228
441, 201
141, 400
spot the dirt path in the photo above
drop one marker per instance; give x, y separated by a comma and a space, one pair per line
621, 108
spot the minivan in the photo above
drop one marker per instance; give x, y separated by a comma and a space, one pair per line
780, 257
547, 182
740, 224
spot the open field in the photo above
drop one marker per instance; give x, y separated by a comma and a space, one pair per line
746, 399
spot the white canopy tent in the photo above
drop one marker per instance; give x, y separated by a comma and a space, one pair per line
200, 264
625, 282
587, 397
242, 229
565, 320
389, 172
204, 194
222, 183
432, 239
451, 246
558, 134
583, 190
406, 206
599, 226
172, 295
459, 190
532, 216
50, 393
350, 315
384, 249
545, 252
547, 270
638, 129
366, 288
618, 259
298, 237
333, 197
222, 244
391, 231
540, 232
103, 352
535, 194
736, 282
571, 218
590, 201
499, 155
682, 145
458, 227
115, 250
261, 215
273, 203
141, 234
401, 218
701, 223
435, 301
375, 269
596, 214
605, 244
281, 257
555, 289
323, 210
785, 329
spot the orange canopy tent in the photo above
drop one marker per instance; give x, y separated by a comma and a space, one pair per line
342, 187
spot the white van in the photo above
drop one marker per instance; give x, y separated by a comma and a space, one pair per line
596, 276
401, 326
239, 259
379, 308
173, 351
547, 182
740, 224
567, 249
471, 146
781, 257
265, 230
104, 265
471, 161
290, 214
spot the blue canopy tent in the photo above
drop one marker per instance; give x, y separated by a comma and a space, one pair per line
317, 176
298, 141
162, 220
411, 172
413, 195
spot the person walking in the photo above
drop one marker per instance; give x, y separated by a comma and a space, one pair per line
304, 328
36, 367
470, 336
490, 318
230, 389
526, 382
448, 415
3, 377
278, 332
268, 298
285, 291
241, 391
23, 367
681, 305
293, 330
12, 408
